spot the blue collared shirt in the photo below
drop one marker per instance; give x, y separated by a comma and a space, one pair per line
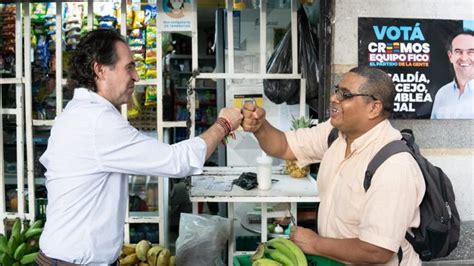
449, 105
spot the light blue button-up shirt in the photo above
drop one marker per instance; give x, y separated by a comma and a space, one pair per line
449, 105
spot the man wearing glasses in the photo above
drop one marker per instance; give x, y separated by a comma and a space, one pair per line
354, 226
455, 99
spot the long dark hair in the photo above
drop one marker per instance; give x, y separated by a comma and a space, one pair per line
97, 46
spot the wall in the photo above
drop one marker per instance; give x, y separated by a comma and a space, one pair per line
448, 144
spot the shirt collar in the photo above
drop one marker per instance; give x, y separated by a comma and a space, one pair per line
468, 87
369, 136
84, 94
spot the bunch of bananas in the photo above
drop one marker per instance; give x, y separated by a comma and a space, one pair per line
145, 254
22, 247
279, 251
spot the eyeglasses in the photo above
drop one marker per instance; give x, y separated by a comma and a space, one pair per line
342, 95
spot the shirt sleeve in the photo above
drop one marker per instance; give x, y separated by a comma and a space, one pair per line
309, 144
121, 148
392, 203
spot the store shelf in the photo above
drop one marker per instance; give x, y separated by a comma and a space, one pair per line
143, 217
196, 88
11, 179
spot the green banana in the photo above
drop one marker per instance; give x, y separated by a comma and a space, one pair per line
20, 251
16, 229
35, 225
278, 245
5, 259
266, 262
279, 256
33, 232
3, 243
299, 255
12, 245
29, 258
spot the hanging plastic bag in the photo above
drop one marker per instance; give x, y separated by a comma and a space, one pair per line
308, 58
201, 240
279, 91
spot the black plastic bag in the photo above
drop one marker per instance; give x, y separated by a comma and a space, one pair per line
279, 91
308, 58
246, 180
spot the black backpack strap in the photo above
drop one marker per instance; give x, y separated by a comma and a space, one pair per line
388, 150
400, 255
333, 135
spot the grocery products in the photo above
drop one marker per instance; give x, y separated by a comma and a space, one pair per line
23, 245
144, 253
279, 251
292, 168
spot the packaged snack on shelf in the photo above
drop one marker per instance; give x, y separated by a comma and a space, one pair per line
133, 106
150, 15
138, 19
150, 96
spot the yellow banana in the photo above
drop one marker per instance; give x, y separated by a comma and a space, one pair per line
299, 255
266, 262
278, 245
131, 259
128, 249
172, 261
164, 258
142, 263
259, 253
277, 255
142, 248
152, 254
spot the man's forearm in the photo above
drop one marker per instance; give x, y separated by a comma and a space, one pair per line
351, 250
213, 136
273, 141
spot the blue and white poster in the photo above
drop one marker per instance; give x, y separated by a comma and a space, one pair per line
175, 15
423, 56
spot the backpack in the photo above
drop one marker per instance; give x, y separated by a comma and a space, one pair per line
438, 233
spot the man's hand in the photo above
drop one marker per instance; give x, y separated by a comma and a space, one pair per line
233, 115
253, 117
304, 238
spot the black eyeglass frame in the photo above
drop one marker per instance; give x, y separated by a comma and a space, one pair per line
342, 95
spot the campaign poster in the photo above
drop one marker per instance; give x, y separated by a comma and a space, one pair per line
175, 15
414, 53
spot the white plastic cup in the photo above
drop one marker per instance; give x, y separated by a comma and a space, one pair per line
264, 172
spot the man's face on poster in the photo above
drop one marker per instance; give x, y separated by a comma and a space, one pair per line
462, 56
177, 4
